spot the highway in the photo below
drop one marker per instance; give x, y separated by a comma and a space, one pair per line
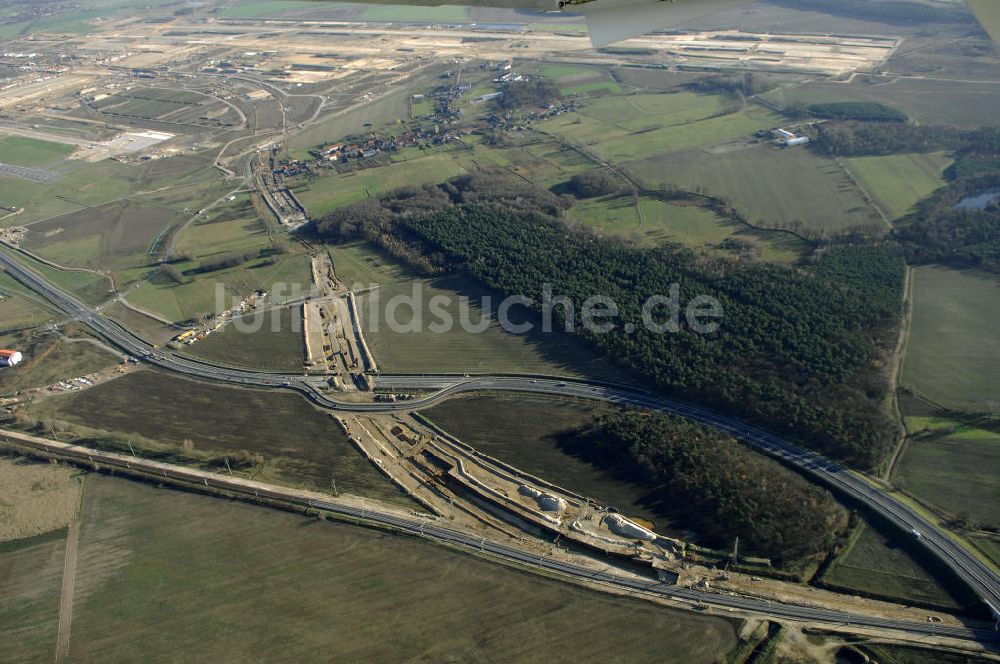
424, 527
977, 575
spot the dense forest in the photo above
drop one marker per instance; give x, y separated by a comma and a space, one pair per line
858, 139
747, 83
796, 350
940, 232
707, 482
868, 111
531, 92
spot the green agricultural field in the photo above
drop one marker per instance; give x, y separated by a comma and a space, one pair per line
951, 465
525, 432
81, 186
898, 182
50, 361
873, 564
181, 302
773, 188
272, 341
31, 151
990, 547
222, 237
18, 313
656, 80
85, 184
90, 287
632, 127
32, 572
562, 72
657, 222
458, 350
385, 111
928, 101
579, 80
953, 353
455, 350
898, 654
421, 108
141, 325
301, 445
112, 236
330, 590
330, 192
536, 157
233, 227
358, 265
595, 86
19, 308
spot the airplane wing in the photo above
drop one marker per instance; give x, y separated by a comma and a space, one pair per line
616, 20
988, 14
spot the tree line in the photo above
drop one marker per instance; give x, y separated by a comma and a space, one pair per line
940, 232
709, 483
869, 111
858, 139
937, 231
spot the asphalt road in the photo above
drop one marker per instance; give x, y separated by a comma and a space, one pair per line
422, 527
966, 566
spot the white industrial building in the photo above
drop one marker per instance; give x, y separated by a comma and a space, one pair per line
9, 358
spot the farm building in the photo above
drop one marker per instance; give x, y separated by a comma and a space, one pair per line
9, 358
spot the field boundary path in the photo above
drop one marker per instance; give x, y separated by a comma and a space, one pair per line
68, 588
898, 357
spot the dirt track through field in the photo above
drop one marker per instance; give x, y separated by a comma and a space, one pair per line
68, 585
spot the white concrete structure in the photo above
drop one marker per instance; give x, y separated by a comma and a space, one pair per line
9, 358
619, 525
546, 501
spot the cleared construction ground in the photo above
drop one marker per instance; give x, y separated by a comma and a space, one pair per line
334, 335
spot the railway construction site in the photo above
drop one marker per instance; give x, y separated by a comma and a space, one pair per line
172, 177
443, 474
703, 589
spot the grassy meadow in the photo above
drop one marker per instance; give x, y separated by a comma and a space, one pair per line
31, 151
926, 100
898, 182
332, 191
333, 592
301, 446
415, 347
197, 297
876, 565
950, 463
772, 188
275, 344
51, 360
953, 353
